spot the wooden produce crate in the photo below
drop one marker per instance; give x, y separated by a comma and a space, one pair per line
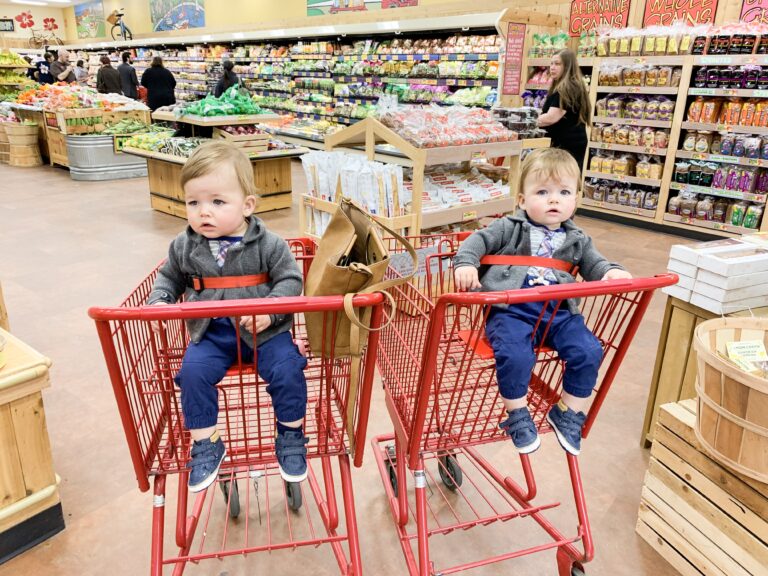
115, 116
4, 152
57, 147
702, 517
258, 142
79, 121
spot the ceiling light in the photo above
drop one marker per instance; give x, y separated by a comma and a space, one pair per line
57, 1
30, 2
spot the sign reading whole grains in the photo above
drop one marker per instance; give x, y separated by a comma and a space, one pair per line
590, 14
667, 12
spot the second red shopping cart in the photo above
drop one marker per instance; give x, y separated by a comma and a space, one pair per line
440, 390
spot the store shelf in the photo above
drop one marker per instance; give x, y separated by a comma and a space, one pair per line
417, 57
626, 148
356, 99
547, 60
12, 67
149, 154
466, 212
724, 128
654, 60
686, 222
638, 89
722, 159
706, 190
630, 121
621, 178
729, 59
537, 86
728, 92
617, 208
300, 56
271, 154
463, 82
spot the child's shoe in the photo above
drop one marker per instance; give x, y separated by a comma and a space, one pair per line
207, 456
567, 425
291, 451
522, 430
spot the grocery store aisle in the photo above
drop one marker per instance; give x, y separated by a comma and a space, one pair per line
67, 246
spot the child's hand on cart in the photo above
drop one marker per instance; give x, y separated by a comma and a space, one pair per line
155, 324
466, 279
617, 274
256, 324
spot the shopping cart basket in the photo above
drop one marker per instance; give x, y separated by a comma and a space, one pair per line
269, 516
440, 388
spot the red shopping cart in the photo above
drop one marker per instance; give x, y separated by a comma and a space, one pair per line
440, 388
270, 515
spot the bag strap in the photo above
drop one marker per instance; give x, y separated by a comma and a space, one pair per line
538, 261
200, 283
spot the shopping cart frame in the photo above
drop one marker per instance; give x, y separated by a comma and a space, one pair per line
413, 416
141, 366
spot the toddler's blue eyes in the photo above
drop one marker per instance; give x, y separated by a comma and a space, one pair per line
192, 203
565, 192
218, 202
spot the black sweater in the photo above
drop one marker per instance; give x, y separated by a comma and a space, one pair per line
159, 83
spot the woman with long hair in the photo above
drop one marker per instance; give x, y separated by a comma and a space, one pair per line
160, 85
228, 79
566, 111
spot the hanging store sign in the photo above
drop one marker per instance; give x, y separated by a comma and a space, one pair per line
668, 12
754, 11
590, 14
513, 59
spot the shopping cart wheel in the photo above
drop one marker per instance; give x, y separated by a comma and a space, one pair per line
450, 473
231, 495
392, 476
577, 572
293, 495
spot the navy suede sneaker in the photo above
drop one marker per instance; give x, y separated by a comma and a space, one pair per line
567, 425
522, 430
204, 465
291, 451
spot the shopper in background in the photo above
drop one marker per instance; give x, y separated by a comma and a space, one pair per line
108, 79
128, 79
542, 227
61, 69
81, 73
43, 69
225, 240
227, 80
566, 111
160, 84
32, 68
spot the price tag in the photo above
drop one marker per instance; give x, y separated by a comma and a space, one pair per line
309, 201
472, 215
634, 90
716, 60
451, 82
760, 93
753, 162
640, 60
460, 56
686, 220
482, 56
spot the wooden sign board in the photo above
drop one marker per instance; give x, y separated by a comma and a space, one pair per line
513, 59
587, 15
754, 11
667, 12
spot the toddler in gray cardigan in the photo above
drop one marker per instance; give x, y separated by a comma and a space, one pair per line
227, 253
541, 227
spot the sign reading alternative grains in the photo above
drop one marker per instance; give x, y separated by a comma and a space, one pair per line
667, 12
589, 14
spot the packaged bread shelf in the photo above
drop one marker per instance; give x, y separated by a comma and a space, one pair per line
632, 122
609, 208
547, 60
626, 148
731, 59
735, 194
734, 129
714, 227
652, 60
758, 162
728, 92
622, 178
637, 89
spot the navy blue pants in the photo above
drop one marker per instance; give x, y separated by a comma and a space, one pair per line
510, 334
205, 363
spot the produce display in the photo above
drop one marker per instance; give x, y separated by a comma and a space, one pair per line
544, 45
68, 96
151, 142
448, 188
131, 126
434, 126
232, 102
8, 58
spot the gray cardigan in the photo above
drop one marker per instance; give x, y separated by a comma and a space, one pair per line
260, 251
511, 235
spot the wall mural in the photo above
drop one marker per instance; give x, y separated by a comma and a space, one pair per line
89, 18
25, 19
323, 7
177, 14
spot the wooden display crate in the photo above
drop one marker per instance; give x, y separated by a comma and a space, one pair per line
114, 117
57, 147
65, 121
702, 517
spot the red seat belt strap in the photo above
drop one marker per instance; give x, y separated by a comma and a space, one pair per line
538, 261
213, 282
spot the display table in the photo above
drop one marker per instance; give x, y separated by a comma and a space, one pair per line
30, 508
674, 374
271, 175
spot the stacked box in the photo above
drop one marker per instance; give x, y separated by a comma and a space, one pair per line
723, 276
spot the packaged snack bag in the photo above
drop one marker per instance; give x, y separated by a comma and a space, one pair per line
673, 206
695, 109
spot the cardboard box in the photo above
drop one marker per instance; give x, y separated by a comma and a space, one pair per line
677, 292
690, 253
726, 307
742, 260
686, 282
758, 238
723, 295
732, 282
682, 268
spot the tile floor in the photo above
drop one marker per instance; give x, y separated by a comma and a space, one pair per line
66, 246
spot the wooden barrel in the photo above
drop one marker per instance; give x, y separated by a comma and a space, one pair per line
24, 155
732, 418
21, 134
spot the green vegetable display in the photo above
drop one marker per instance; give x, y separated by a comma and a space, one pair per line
233, 102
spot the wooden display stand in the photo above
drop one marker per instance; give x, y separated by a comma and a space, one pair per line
271, 174
702, 517
674, 375
31, 114
370, 132
30, 507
